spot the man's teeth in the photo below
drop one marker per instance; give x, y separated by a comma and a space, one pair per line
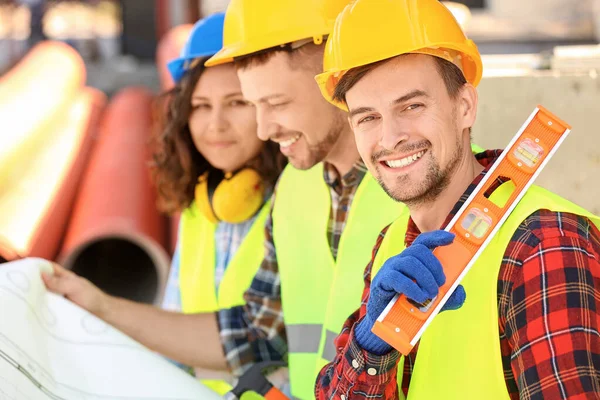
288, 143
403, 162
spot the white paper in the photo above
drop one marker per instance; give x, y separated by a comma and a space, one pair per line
52, 349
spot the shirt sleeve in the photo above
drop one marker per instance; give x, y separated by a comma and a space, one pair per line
256, 332
549, 308
356, 373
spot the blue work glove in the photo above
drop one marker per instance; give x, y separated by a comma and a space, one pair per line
415, 273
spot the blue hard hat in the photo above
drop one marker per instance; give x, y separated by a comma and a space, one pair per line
206, 39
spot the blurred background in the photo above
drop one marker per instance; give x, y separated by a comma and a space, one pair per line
78, 80
118, 38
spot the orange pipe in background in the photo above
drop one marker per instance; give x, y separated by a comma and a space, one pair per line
38, 88
40, 185
116, 236
169, 48
46, 59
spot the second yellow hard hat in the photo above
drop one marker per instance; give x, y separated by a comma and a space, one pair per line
367, 31
255, 25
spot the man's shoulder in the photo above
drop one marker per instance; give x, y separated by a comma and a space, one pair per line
545, 224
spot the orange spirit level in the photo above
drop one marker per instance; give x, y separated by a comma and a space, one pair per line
403, 321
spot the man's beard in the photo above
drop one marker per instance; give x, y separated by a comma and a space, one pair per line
319, 151
434, 183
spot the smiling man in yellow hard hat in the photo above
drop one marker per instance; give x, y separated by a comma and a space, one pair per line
529, 327
326, 207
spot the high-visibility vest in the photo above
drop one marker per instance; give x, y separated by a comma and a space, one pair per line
197, 270
459, 353
318, 292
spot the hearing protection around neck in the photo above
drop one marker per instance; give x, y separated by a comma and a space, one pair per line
232, 197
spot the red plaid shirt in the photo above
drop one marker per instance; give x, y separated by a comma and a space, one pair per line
567, 296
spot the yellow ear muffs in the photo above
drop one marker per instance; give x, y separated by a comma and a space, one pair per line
239, 196
235, 199
202, 197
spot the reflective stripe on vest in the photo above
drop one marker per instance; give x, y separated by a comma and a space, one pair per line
197, 269
459, 354
306, 338
318, 294
329, 349
303, 338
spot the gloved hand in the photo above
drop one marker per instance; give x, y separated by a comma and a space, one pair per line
417, 274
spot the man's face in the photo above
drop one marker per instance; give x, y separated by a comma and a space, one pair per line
291, 111
411, 134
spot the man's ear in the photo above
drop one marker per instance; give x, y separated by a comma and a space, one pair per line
467, 98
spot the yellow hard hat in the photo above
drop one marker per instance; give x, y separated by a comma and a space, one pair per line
255, 25
367, 31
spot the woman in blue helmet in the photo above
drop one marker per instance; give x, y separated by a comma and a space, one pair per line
211, 166
210, 132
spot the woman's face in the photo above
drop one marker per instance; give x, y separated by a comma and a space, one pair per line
222, 122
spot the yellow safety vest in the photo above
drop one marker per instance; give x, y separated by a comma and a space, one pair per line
318, 293
459, 353
197, 268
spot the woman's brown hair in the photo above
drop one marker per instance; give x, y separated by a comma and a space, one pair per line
177, 163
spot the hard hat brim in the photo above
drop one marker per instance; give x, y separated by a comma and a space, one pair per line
471, 68
229, 53
177, 67
224, 56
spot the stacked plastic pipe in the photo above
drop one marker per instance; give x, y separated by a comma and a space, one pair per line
48, 122
116, 236
74, 177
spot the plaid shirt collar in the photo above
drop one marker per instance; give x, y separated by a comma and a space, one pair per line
337, 182
486, 159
